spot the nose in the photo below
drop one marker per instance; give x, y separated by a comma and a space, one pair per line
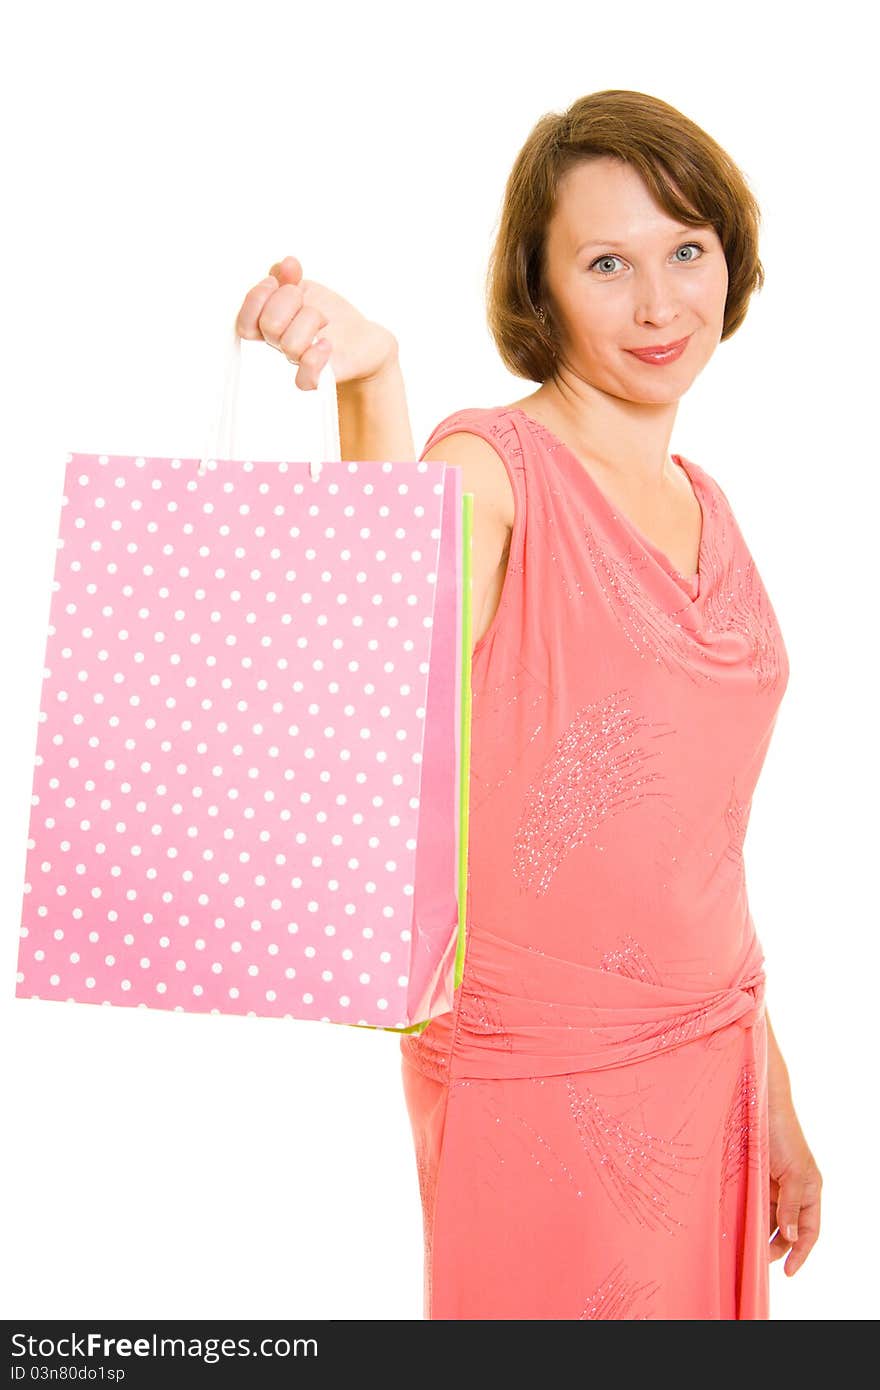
656, 299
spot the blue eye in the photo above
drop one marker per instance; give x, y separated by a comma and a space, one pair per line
609, 257
697, 244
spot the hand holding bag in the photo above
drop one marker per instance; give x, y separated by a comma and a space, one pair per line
249, 793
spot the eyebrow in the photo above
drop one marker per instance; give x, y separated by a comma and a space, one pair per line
608, 241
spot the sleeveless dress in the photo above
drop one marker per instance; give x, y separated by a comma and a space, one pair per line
590, 1120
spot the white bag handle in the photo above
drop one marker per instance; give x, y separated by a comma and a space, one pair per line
222, 440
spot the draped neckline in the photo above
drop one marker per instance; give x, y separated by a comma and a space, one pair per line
692, 585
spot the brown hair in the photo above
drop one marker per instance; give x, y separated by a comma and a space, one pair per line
688, 174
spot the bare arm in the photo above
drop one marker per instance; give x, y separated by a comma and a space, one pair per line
483, 475
778, 1084
374, 417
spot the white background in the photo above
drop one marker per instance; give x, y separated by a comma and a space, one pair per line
157, 159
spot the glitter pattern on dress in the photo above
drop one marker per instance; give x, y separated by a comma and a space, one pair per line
679, 1028
736, 815
481, 1014
427, 1176
603, 1150
539, 1150
620, 1297
630, 958
654, 633
600, 766
429, 1050
645, 1176
738, 602
742, 1131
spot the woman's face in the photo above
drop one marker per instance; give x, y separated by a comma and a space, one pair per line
641, 280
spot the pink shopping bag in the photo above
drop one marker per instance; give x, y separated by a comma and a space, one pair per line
249, 793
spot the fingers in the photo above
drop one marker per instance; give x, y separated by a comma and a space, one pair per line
247, 323
798, 1215
779, 1246
310, 363
274, 310
808, 1234
299, 332
798, 1250
291, 326
788, 1204
287, 271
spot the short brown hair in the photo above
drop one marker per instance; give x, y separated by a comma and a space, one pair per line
689, 175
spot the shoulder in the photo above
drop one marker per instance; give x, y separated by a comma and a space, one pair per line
480, 441
493, 424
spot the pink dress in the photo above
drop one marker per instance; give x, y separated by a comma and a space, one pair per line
590, 1120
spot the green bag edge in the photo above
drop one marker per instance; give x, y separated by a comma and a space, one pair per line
467, 513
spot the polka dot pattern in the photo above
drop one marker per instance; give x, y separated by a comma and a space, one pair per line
226, 796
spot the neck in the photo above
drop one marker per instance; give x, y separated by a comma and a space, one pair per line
628, 441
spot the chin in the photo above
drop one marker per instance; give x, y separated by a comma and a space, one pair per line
665, 393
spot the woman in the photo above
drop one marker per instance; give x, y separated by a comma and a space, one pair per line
603, 1124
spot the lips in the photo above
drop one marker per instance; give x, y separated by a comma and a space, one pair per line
660, 350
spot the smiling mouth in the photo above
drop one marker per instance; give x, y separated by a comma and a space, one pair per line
662, 353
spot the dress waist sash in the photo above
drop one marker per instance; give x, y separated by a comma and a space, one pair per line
523, 1013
